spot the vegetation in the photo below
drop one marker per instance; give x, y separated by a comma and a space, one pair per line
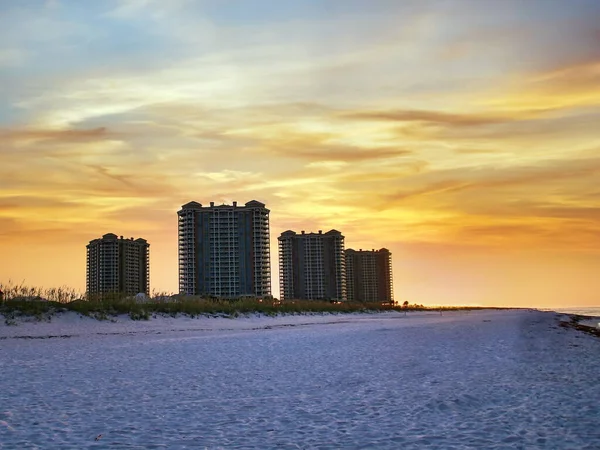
20, 300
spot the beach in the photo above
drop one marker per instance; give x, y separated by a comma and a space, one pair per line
456, 380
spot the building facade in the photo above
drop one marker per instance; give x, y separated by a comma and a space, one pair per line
224, 250
115, 264
312, 266
369, 276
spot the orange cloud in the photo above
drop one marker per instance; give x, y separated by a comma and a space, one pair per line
62, 135
451, 119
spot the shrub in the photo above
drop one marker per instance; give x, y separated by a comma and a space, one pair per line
22, 300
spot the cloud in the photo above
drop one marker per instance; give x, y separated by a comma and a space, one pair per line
12, 203
122, 179
317, 140
436, 117
586, 74
12, 57
327, 164
481, 179
338, 153
572, 236
52, 4
133, 9
437, 187
62, 135
565, 89
561, 122
475, 151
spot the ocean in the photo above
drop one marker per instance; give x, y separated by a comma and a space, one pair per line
583, 311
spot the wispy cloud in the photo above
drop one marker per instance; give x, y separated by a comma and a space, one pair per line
64, 135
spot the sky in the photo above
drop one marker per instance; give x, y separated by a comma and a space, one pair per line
463, 135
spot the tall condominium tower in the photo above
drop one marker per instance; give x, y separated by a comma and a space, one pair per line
224, 250
312, 266
118, 265
369, 276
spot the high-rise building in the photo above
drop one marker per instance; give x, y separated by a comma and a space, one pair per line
369, 276
224, 250
312, 266
115, 264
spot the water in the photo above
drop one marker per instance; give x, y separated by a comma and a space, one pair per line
593, 311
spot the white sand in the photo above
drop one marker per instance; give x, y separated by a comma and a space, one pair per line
491, 379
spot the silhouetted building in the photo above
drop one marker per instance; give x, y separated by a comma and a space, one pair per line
369, 276
312, 266
115, 264
224, 250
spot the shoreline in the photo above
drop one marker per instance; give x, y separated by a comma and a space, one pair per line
585, 324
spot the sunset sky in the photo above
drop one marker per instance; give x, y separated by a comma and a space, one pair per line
463, 135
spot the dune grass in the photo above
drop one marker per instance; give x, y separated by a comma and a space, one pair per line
21, 300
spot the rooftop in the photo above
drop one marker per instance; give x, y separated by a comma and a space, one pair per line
250, 204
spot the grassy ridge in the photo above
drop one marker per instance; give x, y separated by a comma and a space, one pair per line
191, 306
20, 300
